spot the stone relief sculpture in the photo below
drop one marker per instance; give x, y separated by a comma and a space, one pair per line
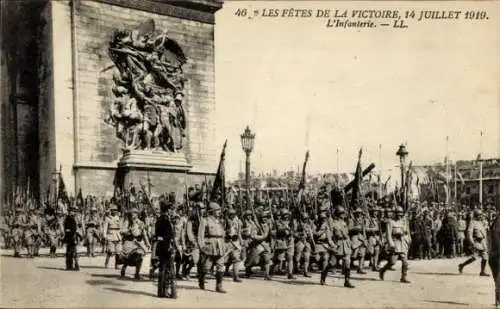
148, 90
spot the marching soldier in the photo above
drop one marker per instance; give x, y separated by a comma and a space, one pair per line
397, 232
112, 234
476, 234
211, 238
234, 243
356, 231
343, 249
462, 226
303, 236
18, 226
259, 251
284, 244
323, 244
92, 231
135, 243
71, 239
32, 233
53, 231
192, 250
179, 227
373, 234
247, 229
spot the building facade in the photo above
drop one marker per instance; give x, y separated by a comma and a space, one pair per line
57, 90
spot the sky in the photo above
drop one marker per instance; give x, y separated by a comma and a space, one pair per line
302, 86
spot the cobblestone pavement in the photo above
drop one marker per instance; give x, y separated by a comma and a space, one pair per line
42, 282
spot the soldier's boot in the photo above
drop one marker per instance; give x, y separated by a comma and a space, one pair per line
248, 271
226, 272
189, 267
137, 275
483, 268
347, 277
77, 267
201, 280
267, 275
306, 269
382, 271
467, 262
236, 273
36, 251
106, 262
123, 270
324, 273
69, 262
361, 265
116, 261
290, 270
375, 259
218, 282
404, 273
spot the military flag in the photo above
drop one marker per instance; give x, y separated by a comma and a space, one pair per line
218, 192
62, 194
358, 178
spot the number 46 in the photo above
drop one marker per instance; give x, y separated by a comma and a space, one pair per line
241, 12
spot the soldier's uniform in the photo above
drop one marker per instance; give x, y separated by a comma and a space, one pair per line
179, 222
247, 229
398, 244
284, 243
135, 243
71, 238
211, 239
92, 230
303, 238
343, 248
323, 244
32, 234
259, 249
192, 250
111, 232
18, 225
374, 241
462, 226
234, 243
358, 239
476, 234
53, 231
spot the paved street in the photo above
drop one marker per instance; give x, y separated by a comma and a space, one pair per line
42, 282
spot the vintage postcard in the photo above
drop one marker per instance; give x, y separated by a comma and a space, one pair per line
249, 154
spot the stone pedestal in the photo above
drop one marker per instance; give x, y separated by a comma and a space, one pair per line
166, 172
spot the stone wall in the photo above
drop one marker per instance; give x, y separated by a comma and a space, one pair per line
97, 145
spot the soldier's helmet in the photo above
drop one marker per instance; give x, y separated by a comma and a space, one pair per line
285, 213
200, 205
19, 209
113, 207
357, 211
399, 210
213, 206
305, 215
93, 209
323, 215
248, 213
339, 210
133, 210
477, 212
231, 211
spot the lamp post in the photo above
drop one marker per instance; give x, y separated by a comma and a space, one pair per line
247, 142
402, 153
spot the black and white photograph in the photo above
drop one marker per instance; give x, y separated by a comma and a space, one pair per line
249, 154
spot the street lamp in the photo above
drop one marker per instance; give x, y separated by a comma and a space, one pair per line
402, 153
247, 141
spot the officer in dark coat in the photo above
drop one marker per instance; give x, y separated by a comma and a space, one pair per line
165, 235
71, 238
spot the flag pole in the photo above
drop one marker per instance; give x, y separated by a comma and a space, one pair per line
480, 170
447, 173
380, 170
